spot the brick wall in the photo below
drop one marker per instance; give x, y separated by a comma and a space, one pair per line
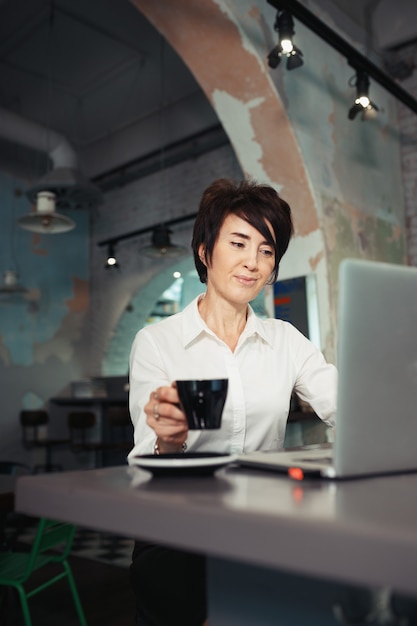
149, 201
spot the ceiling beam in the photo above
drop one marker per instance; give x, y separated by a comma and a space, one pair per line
355, 59
105, 32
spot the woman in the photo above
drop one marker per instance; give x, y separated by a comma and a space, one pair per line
240, 235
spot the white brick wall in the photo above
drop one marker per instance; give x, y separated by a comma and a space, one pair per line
148, 201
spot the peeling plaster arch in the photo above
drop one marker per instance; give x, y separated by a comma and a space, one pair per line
235, 77
223, 43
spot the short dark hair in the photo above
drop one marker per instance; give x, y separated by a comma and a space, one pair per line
252, 202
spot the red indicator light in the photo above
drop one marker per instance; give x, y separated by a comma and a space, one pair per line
296, 473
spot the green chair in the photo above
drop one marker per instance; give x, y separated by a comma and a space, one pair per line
52, 544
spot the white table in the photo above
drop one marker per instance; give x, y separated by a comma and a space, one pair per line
275, 546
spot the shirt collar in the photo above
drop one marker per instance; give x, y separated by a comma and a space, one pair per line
193, 325
255, 326
192, 322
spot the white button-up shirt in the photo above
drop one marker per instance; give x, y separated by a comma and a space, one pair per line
272, 358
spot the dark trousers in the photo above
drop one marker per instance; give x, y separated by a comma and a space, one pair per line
169, 586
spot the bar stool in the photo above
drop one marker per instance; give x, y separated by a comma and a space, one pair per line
81, 426
120, 427
119, 433
32, 421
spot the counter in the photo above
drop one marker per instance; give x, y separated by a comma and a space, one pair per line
250, 524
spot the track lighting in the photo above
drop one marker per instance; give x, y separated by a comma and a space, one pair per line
111, 257
352, 56
161, 241
161, 245
284, 25
362, 102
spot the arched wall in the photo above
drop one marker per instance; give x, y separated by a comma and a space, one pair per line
223, 44
115, 358
290, 129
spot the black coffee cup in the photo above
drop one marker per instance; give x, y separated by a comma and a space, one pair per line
203, 401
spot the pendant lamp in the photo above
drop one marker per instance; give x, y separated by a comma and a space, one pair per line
44, 219
10, 285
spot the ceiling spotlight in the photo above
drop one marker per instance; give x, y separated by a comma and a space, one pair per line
161, 245
44, 219
284, 25
362, 102
111, 258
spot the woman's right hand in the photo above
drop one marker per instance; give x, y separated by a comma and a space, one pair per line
165, 417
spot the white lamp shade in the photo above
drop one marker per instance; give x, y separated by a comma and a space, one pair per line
45, 219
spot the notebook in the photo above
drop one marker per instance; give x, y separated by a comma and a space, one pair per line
376, 423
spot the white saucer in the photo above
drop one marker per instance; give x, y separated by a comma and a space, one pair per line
188, 464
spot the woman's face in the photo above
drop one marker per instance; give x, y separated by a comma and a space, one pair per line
242, 261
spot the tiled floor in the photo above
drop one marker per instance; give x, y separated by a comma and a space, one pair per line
89, 544
104, 590
103, 547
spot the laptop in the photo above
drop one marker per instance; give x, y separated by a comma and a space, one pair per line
376, 423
